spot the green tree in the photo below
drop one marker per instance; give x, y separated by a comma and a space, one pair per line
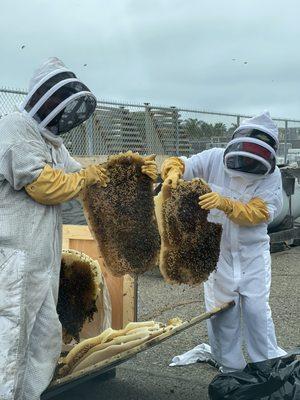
192, 128
196, 129
207, 129
219, 129
232, 129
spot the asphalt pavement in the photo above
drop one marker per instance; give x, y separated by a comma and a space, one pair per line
148, 376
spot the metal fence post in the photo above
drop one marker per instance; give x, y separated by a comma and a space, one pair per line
153, 141
148, 132
122, 128
175, 119
238, 120
285, 141
90, 135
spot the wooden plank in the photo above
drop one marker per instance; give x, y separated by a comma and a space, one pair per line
115, 287
113, 362
129, 299
65, 242
80, 232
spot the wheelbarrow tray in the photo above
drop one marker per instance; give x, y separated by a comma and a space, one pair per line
70, 381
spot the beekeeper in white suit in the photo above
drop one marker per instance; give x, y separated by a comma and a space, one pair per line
246, 196
37, 174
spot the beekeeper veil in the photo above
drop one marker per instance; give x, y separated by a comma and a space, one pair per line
253, 147
57, 100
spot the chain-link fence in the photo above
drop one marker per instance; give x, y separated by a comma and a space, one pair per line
116, 127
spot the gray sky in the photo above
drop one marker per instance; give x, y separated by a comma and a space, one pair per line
168, 52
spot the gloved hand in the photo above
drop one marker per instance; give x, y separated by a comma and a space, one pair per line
95, 173
252, 213
171, 171
213, 200
54, 186
150, 167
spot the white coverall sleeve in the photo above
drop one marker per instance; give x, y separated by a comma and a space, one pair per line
198, 166
22, 163
70, 164
271, 193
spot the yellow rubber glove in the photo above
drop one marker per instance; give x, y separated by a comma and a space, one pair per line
54, 186
252, 213
171, 171
150, 167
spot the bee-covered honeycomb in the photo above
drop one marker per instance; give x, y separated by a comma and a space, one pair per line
78, 291
121, 217
190, 244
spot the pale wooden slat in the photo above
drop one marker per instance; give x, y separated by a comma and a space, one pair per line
129, 299
80, 232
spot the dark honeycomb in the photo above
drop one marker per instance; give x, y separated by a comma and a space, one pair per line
76, 298
191, 244
122, 219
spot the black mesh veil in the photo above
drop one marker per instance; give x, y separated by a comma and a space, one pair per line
61, 103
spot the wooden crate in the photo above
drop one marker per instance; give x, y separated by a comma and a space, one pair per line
123, 291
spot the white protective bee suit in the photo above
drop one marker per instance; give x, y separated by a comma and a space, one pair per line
30, 237
244, 269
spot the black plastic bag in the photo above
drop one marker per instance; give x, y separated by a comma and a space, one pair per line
275, 379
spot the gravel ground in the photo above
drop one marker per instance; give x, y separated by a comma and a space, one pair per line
148, 376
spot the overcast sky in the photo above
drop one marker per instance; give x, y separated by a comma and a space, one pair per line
239, 56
